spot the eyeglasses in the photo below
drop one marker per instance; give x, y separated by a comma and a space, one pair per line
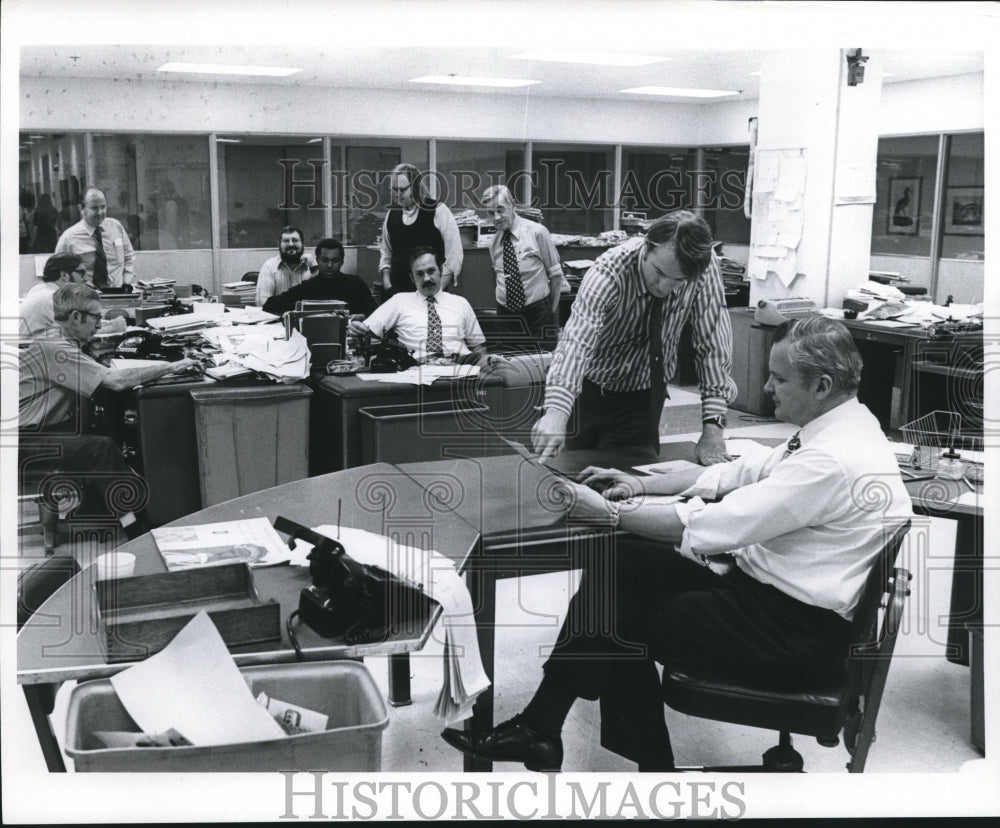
97, 316
400, 189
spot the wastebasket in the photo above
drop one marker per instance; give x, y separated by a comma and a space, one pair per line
250, 438
424, 431
343, 690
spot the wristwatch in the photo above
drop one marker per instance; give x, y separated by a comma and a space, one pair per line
718, 420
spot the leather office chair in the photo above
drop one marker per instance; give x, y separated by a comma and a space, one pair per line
42, 484
250, 276
850, 704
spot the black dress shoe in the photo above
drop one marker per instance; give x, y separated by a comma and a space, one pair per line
512, 741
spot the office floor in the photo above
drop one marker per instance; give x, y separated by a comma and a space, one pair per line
923, 724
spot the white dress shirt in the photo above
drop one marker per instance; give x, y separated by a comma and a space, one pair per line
407, 313
810, 524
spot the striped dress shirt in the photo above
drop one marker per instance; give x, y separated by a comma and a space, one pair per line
606, 342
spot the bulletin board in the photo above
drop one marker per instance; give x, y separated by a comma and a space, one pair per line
779, 185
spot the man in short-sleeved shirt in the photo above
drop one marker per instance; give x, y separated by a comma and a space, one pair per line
538, 268
55, 380
407, 315
287, 269
37, 316
81, 240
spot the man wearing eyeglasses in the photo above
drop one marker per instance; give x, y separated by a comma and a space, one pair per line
36, 307
415, 220
56, 379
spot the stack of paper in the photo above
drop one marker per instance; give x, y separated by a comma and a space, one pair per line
246, 291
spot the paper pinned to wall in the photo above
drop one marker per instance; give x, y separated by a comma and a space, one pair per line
778, 217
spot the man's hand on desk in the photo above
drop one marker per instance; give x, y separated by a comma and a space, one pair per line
618, 485
711, 446
584, 502
548, 436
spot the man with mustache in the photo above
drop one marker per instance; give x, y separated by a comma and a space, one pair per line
429, 322
285, 270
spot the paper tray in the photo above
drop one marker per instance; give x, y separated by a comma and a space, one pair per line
343, 690
139, 616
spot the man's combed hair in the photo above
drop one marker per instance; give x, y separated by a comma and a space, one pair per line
425, 250
691, 236
71, 297
329, 244
818, 346
291, 228
59, 264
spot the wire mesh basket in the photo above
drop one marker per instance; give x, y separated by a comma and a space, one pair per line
935, 433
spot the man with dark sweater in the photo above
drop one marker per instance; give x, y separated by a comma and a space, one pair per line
328, 283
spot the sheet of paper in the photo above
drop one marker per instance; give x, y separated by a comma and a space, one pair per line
785, 269
791, 179
736, 447
666, 466
194, 687
119, 364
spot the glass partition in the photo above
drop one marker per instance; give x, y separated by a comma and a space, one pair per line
904, 195
573, 188
52, 175
266, 183
466, 168
964, 192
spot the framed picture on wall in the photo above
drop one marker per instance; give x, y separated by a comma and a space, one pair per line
963, 211
904, 206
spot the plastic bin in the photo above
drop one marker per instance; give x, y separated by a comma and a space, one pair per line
250, 438
342, 689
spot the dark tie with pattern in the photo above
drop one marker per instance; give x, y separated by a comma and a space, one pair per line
434, 344
514, 285
793, 445
657, 384
100, 260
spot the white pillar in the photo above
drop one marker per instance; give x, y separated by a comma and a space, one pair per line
806, 103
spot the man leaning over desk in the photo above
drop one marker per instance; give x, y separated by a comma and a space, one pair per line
619, 347
763, 582
287, 269
101, 242
430, 322
56, 379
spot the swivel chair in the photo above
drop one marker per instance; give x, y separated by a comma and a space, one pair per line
850, 703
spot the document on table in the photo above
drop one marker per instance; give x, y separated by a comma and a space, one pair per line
253, 541
424, 374
193, 686
464, 676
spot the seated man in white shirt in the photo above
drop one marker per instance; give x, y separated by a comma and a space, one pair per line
37, 316
287, 269
764, 581
429, 322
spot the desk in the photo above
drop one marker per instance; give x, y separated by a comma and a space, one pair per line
60, 642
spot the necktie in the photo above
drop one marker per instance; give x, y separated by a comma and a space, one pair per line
100, 260
793, 445
434, 345
515, 287
657, 384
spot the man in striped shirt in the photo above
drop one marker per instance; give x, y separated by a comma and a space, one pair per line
600, 379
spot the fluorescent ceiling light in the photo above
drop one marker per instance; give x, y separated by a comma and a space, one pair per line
228, 69
594, 58
757, 74
680, 92
461, 80
228, 140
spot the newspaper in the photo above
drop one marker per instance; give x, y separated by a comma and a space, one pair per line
253, 541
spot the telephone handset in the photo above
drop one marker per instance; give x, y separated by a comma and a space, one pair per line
138, 344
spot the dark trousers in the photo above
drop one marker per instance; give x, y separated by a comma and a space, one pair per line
540, 328
643, 603
615, 418
93, 462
